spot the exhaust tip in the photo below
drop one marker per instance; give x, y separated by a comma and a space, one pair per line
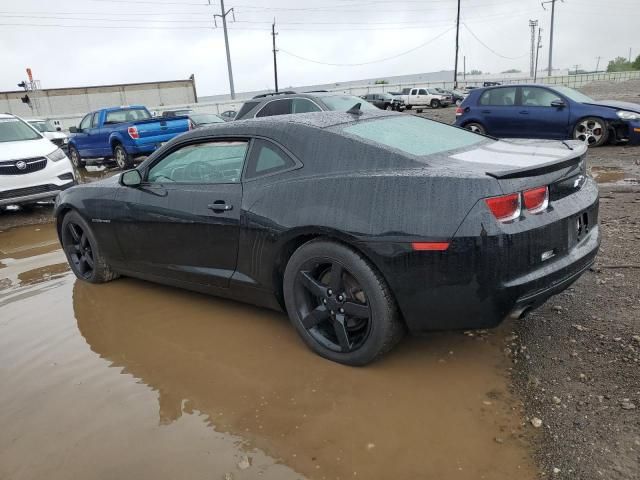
519, 312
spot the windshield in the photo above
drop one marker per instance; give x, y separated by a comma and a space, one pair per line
574, 95
128, 115
42, 125
15, 130
203, 118
345, 102
414, 135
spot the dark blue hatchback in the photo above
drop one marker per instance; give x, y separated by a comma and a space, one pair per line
540, 111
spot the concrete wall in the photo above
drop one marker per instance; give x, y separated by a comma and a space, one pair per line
77, 101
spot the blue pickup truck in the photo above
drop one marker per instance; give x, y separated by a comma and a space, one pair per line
122, 133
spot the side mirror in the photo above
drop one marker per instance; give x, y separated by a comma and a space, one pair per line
558, 104
131, 178
73, 130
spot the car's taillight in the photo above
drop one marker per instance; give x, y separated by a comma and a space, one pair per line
536, 199
506, 207
133, 132
459, 111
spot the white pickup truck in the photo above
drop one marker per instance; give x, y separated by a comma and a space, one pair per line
426, 97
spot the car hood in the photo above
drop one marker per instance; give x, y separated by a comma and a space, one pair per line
517, 158
631, 107
25, 149
51, 135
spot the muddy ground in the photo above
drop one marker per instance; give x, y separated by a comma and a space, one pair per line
131, 379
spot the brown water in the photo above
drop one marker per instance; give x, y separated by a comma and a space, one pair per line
135, 380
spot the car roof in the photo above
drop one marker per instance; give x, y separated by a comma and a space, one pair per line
7, 115
320, 120
121, 107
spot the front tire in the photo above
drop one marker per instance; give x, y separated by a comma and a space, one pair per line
593, 131
122, 158
82, 250
74, 156
476, 128
388, 107
340, 306
435, 103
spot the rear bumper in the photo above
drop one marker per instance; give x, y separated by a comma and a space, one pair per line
484, 277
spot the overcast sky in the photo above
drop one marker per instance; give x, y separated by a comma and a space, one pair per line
93, 42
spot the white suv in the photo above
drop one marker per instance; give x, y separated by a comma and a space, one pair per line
31, 167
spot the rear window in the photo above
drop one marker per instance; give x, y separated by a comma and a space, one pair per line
245, 108
128, 115
15, 130
414, 135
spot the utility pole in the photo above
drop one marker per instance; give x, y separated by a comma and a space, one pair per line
553, 13
223, 15
464, 68
275, 62
532, 24
576, 68
455, 68
598, 63
629, 54
535, 72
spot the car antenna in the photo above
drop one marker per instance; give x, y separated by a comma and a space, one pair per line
355, 110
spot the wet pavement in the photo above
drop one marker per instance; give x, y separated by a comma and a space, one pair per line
135, 380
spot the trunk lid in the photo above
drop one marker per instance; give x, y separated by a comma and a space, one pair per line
522, 163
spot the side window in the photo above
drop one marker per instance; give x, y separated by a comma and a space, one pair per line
266, 158
276, 107
499, 97
246, 107
538, 97
86, 122
414, 91
211, 162
422, 91
94, 121
302, 105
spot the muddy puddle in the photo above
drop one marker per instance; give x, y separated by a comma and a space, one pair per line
613, 175
135, 380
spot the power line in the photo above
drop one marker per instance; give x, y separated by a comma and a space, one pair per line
370, 62
491, 49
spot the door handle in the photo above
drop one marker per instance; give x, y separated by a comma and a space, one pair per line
524, 112
220, 206
485, 111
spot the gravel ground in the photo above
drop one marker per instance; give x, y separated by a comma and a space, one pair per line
576, 359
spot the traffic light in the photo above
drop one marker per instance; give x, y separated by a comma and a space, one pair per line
26, 100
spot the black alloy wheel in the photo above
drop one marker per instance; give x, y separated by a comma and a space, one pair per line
79, 250
339, 304
333, 306
82, 250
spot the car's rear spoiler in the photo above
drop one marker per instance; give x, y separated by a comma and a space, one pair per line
539, 169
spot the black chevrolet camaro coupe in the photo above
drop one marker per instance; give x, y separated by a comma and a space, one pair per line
360, 225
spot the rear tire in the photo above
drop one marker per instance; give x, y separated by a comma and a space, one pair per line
339, 304
418, 110
593, 131
435, 103
476, 128
82, 250
76, 159
121, 157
